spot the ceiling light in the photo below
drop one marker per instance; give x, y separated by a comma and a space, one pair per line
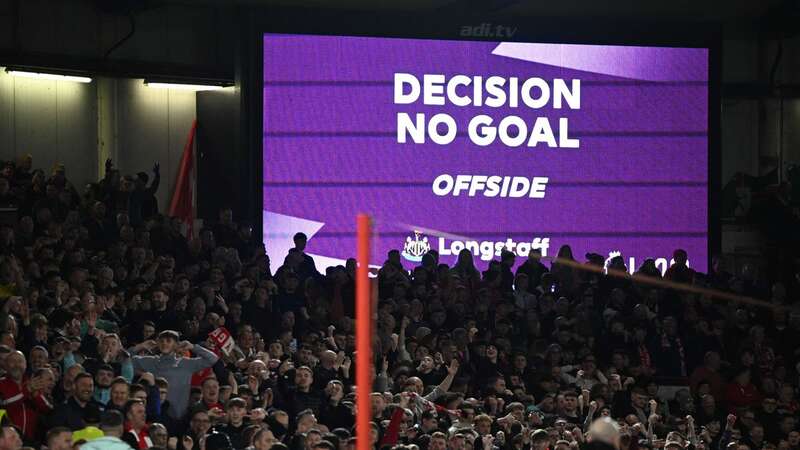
184, 86
48, 76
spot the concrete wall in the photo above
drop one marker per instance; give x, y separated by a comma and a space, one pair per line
739, 116
752, 144
80, 125
152, 127
790, 74
739, 138
55, 121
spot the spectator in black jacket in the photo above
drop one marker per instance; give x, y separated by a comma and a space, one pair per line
71, 413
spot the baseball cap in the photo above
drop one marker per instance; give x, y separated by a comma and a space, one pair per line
58, 339
86, 434
343, 433
169, 334
245, 389
540, 435
237, 402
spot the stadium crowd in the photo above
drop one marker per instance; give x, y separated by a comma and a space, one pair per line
113, 336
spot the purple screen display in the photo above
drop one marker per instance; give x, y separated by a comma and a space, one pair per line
485, 145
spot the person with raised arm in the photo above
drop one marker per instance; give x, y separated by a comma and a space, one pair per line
171, 364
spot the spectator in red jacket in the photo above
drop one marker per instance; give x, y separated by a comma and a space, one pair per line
709, 372
23, 399
741, 392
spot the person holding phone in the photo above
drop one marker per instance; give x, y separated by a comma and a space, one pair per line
23, 398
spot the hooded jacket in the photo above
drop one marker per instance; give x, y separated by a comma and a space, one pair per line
178, 371
106, 443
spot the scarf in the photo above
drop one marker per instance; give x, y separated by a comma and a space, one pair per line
142, 437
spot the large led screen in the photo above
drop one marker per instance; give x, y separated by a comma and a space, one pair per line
485, 145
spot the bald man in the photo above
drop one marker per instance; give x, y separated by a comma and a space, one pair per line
23, 398
326, 370
603, 435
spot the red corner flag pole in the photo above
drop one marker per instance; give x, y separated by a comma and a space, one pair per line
363, 334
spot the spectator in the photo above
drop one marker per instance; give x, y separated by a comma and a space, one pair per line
143, 203
217, 441
23, 399
111, 424
209, 393
9, 438
119, 394
709, 372
741, 393
91, 287
237, 422
59, 438
159, 435
533, 269
199, 424
603, 434
264, 440
71, 413
177, 370
136, 428
7, 199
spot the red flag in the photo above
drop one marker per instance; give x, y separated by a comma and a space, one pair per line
182, 204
